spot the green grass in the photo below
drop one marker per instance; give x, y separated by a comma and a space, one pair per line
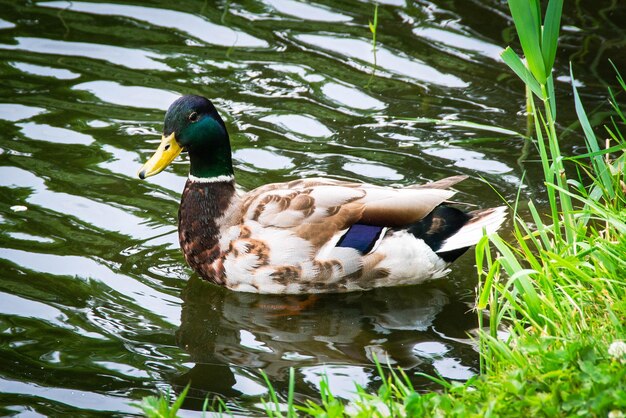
556, 290
160, 406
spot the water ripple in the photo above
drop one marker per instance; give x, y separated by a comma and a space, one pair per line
14, 112
134, 96
161, 304
396, 63
193, 25
126, 57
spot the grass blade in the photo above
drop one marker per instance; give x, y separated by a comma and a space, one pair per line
514, 62
291, 412
527, 24
467, 124
592, 142
551, 96
601, 152
179, 401
550, 33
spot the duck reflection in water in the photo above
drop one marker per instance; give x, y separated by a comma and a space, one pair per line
232, 335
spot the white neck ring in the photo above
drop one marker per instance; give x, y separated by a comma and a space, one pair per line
218, 179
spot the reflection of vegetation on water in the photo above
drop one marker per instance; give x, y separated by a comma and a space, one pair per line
602, 35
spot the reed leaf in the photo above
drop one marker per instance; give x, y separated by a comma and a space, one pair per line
528, 26
598, 162
550, 33
514, 62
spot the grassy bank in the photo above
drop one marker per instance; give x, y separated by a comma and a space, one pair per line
555, 340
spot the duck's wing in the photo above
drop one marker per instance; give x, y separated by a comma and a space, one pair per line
440, 184
317, 209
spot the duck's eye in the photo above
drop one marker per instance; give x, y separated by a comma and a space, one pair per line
193, 116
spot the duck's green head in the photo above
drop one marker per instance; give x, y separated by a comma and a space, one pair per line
192, 124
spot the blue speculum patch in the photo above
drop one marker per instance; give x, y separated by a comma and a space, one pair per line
360, 237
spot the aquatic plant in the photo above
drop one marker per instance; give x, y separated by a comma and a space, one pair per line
373, 25
161, 406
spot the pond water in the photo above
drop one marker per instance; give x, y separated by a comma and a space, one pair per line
97, 308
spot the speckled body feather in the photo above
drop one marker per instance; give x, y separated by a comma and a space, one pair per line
306, 236
282, 238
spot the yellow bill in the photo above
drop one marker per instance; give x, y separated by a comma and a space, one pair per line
165, 154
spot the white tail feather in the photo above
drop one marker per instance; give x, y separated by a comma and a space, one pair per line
487, 220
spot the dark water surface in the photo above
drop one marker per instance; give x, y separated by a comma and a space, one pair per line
97, 308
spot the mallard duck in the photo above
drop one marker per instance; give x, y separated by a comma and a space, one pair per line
310, 235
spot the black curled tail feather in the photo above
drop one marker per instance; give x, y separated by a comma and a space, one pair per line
440, 224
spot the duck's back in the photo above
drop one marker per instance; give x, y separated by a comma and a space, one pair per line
321, 235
